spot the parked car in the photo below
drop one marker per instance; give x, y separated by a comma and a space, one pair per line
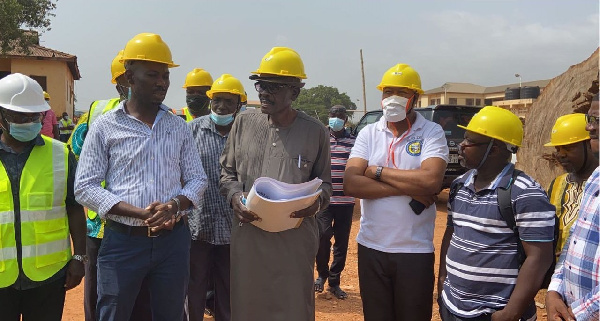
448, 116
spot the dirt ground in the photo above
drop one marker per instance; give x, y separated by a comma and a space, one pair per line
328, 308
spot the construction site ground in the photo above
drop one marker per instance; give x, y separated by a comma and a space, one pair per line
329, 308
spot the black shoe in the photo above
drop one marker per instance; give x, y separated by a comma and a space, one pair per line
337, 292
319, 284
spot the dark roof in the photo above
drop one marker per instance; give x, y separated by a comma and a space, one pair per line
43, 53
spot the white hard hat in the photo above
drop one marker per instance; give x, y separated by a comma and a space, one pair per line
22, 94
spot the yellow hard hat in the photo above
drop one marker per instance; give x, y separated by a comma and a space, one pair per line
282, 61
497, 123
227, 84
148, 47
46, 96
198, 77
568, 129
117, 68
401, 75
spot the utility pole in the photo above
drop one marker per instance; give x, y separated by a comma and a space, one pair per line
362, 69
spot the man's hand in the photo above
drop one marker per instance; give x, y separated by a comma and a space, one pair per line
241, 210
75, 272
161, 214
556, 308
426, 200
500, 315
440, 285
309, 211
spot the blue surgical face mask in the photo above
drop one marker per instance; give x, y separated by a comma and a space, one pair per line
336, 124
221, 120
24, 132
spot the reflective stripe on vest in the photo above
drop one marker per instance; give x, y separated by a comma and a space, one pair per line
556, 198
64, 124
46, 245
99, 107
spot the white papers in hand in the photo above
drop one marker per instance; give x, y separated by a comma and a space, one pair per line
273, 201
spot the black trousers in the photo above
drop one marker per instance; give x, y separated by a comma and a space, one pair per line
44, 303
142, 309
395, 286
335, 221
209, 261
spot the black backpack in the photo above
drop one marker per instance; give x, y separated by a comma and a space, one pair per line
506, 210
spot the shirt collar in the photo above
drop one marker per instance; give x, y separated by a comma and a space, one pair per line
381, 125
37, 141
503, 179
162, 111
205, 123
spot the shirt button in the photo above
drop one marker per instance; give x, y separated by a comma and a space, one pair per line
274, 144
574, 242
569, 267
276, 129
152, 157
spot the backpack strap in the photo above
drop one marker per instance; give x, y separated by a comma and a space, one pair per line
505, 203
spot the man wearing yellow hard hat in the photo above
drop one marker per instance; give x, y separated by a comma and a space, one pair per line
396, 167
152, 172
210, 223
498, 244
49, 122
574, 153
573, 292
287, 145
95, 225
39, 217
197, 83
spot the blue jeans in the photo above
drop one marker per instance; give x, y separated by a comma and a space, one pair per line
124, 261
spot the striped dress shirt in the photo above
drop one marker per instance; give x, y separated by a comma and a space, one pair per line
139, 164
577, 275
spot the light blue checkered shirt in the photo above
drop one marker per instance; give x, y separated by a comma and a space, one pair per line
139, 164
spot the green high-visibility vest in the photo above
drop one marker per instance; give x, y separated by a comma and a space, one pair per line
188, 116
45, 242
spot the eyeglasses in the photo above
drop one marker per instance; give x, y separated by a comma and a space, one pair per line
592, 120
471, 143
21, 119
269, 87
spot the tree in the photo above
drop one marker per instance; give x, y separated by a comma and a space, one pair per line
316, 101
18, 15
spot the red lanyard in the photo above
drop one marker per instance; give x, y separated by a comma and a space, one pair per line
393, 143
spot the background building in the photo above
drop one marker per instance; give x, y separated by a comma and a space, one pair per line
55, 71
516, 97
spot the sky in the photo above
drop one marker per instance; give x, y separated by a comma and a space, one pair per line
481, 42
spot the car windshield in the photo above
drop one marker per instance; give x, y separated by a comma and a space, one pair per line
449, 120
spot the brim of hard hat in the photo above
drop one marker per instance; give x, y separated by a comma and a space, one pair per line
29, 109
211, 92
277, 78
486, 135
169, 64
550, 144
382, 86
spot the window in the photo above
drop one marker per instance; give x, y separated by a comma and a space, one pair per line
41, 80
469, 101
432, 101
453, 101
438, 101
478, 102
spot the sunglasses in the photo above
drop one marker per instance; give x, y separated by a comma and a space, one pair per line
269, 87
21, 119
592, 120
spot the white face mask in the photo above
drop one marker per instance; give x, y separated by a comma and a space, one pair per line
394, 108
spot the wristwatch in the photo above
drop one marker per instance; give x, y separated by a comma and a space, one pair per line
378, 173
81, 258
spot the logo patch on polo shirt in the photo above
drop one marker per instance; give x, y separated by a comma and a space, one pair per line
413, 148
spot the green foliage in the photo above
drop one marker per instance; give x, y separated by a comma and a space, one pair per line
17, 15
316, 101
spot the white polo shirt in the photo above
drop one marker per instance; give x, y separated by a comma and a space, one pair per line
388, 224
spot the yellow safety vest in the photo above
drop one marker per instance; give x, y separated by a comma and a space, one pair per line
65, 123
98, 108
46, 247
556, 198
188, 116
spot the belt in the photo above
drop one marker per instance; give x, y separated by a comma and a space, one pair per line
138, 230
